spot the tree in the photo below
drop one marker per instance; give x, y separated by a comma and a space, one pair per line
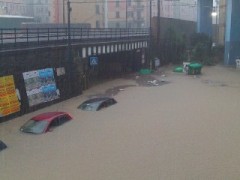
173, 47
201, 48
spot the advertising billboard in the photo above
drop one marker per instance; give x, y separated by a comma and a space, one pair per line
9, 102
40, 86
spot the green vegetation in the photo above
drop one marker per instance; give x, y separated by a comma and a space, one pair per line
173, 47
202, 50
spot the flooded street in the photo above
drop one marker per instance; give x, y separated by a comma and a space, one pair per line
184, 128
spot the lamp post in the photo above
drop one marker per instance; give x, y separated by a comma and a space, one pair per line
105, 14
150, 14
69, 50
69, 9
63, 9
214, 15
158, 22
150, 23
126, 13
150, 33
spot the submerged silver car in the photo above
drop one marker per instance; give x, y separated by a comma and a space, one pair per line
95, 104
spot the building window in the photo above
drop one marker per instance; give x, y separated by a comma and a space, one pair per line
138, 15
130, 14
117, 3
117, 14
117, 25
129, 2
97, 9
97, 24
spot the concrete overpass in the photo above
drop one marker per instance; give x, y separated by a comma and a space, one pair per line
50, 65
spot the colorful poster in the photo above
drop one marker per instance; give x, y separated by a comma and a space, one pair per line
40, 86
9, 103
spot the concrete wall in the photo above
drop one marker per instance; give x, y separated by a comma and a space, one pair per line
69, 84
16, 63
181, 26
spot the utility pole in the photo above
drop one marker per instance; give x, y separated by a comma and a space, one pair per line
69, 9
150, 23
63, 11
158, 22
126, 13
105, 13
150, 14
150, 34
69, 50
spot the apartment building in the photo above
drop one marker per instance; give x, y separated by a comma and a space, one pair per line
122, 13
140, 15
117, 13
39, 9
13, 7
176, 9
127, 13
91, 12
103, 13
56, 11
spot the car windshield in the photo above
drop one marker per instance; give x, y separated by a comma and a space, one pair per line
96, 104
35, 127
88, 107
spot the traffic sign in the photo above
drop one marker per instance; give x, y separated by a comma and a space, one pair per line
93, 61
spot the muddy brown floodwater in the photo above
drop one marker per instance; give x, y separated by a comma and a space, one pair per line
186, 129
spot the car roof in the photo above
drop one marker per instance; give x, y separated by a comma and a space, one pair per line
48, 116
98, 99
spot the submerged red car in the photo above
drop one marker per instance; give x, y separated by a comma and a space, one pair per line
45, 122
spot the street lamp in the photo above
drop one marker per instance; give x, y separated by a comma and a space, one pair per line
69, 9
150, 14
158, 21
70, 64
126, 13
63, 9
214, 15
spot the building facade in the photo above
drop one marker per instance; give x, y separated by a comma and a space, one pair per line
13, 7
117, 15
39, 9
181, 9
56, 11
109, 14
86, 12
128, 13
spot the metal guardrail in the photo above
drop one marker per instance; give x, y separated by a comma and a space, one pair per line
37, 37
